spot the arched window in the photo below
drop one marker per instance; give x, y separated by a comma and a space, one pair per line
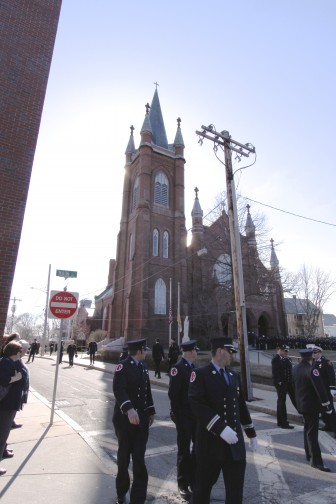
161, 190
222, 271
136, 189
131, 248
155, 243
165, 244
160, 297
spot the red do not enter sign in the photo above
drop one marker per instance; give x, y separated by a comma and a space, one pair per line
63, 304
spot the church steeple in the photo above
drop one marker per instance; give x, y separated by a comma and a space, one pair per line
197, 215
274, 262
250, 229
178, 142
156, 120
130, 149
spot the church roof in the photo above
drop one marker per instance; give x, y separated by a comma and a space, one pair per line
156, 121
274, 261
178, 142
130, 146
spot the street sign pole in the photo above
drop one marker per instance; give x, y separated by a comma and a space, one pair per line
56, 373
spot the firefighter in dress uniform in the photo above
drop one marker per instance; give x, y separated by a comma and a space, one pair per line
283, 382
216, 399
183, 417
311, 398
327, 373
133, 415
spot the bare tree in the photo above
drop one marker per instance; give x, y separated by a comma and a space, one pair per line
313, 288
25, 325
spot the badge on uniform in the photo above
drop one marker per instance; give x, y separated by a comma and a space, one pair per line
119, 367
192, 377
316, 372
173, 371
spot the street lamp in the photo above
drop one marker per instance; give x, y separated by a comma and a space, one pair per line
45, 313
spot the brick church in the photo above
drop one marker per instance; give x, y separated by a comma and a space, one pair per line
157, 280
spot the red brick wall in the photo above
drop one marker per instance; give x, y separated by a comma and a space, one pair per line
27, 36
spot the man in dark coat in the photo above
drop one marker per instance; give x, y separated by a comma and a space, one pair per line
157, 355
33, 350
311, 397
183, 417
133, 415
215, 396
282, 379
92, 349
173, 354
71, 351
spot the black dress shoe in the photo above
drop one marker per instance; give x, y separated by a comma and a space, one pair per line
286, 426
321, 467
185, 493
8, 454
120, 500
16, 425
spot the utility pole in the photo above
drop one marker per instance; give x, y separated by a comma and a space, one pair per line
227, 144
13, 309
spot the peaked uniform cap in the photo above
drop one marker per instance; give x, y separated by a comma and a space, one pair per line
222, 342
283, 347
306, 352
187, 346
139, 344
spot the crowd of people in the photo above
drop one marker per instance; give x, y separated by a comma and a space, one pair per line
294, 342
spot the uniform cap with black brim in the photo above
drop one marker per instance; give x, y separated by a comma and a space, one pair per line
306, 352
188, 346
139, 344
223, 342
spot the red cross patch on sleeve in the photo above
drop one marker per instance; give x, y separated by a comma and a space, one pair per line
192, 377
316, 372
119, 367
173, 371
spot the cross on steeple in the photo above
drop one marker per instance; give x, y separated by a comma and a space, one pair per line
147, 108
156, 84
272, 242
196, 191
132, 129
248, 208
178, 122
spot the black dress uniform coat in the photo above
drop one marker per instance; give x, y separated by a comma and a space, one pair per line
217, 405
311, 398
185, 421
327, 373
283, 382
131, 388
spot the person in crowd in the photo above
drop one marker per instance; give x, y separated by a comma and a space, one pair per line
216, 399
71, 351
173, 354
51, 348
157, 355
17, 382
92, 348
311, 397
282, 379
133, 415
33, 350
183, 417
327, 372
61, 353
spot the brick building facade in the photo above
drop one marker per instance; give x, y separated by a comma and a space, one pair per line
27, 36
155, 272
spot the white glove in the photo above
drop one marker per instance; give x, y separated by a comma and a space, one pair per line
333, 392
253, 444
229, 435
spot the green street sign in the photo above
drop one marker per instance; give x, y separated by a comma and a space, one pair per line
66, 274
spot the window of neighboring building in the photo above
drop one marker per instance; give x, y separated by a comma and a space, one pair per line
161, 189
155, 243
222, 271
165, 244
160, 297
131, 248
135, 194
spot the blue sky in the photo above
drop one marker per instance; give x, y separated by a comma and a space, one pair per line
262, 70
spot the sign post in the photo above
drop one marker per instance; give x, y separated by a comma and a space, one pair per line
62, 305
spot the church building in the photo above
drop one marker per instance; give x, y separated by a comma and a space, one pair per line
157, 280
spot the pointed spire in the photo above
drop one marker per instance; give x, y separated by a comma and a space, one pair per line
147, 127
130, 149
274, 260
197, 215
249, 226
178, 142
156, 121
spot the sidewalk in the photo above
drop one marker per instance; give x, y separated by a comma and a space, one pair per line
54, 464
